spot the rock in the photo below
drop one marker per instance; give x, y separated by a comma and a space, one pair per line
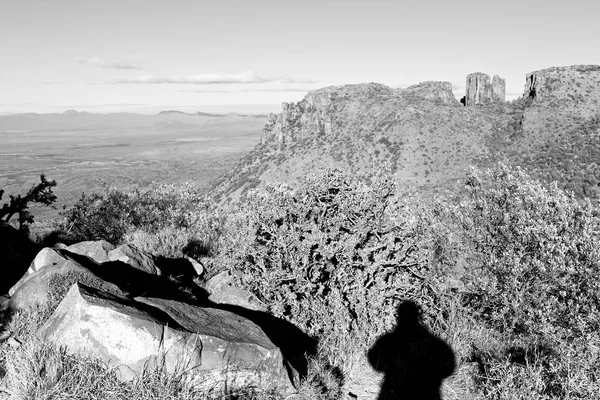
49, 284
221, 289
564, 85
199, 268
46, 257
97, 250
136, 258
498, 89
479, 90
434, 91
231, 342
222, 351
16, 254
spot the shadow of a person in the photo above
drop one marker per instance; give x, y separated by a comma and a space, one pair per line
415, 362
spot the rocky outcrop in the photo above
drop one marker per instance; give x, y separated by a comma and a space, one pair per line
16, 254
432, 90
222, 351
564, 86
130, 272
480, 90
314, 115
133, 314
498, 89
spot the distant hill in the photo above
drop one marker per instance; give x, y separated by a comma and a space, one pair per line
78, 120
429, 138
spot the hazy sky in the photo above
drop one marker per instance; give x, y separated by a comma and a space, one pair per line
148, 55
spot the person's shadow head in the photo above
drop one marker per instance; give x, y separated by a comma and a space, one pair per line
408, 313
414, 361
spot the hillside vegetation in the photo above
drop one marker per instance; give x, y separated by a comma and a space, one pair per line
504, 271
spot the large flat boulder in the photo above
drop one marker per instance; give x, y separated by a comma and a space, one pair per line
97, 250
222, 351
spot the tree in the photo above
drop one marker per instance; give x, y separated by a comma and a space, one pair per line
19, 205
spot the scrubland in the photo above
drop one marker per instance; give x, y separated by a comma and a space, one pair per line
505, 269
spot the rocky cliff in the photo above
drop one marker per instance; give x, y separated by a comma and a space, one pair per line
314, 114
480, 90
575, 85
426, 138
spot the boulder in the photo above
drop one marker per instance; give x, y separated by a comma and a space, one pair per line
49, 284
136, 258
96, 250
222, 289
46, 257
220, 350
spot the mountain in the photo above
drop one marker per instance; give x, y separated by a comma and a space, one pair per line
79, 120
428, 138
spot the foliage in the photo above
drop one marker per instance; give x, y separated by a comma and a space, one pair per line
164, 220
530, 256
334, 256
19, 205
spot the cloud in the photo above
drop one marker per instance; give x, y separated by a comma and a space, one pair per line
100, 63
209, 79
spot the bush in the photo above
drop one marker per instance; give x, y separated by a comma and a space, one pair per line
167, 216
333, 256
530, 256
19, 205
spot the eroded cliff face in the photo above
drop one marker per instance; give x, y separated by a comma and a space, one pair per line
577, 85
480, 90
317, 112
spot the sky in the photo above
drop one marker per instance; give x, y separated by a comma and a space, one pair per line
249, 56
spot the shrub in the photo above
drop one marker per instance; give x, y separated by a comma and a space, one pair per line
333, 256
530, 256
148, 216
19, 205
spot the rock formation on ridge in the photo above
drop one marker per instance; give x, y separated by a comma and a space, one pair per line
479, 90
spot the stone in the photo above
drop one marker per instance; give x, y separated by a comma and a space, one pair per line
136, 258
47, 284
222, 351
222, 289
480, 91
498, 89
434, 91
46, 257
97, 250
198, 268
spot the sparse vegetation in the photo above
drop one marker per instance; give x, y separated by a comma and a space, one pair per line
505, 272
18, 205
